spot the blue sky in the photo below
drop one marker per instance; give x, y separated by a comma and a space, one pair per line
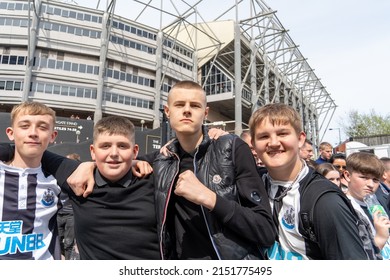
347, 42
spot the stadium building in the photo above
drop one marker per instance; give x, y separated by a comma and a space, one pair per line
89, 63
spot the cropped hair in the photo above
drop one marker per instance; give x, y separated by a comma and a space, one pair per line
32, 108
325, 168
276, 114
324, 145
386, 162
187, 84
365, 163
115, 125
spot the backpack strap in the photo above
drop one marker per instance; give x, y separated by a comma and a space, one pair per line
312, 187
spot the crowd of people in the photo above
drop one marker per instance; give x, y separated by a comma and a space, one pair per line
205, 195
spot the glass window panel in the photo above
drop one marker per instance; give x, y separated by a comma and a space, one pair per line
78, 31
51, 64
60, 64
57, 11
64, 90
116, 74
87, 93
67, 65
87, 17
72, 14
43, 62
72, 91
75, 67
2, 85
56, 89
13, 59
63, 28
82, 68
40, 87
70, 29
80, 92
49, 88
89, 69
9, 85
18, 86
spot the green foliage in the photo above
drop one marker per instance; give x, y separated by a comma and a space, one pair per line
370, 124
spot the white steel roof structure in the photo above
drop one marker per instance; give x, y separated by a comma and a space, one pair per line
238, 50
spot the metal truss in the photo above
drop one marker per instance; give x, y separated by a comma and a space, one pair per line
262, 56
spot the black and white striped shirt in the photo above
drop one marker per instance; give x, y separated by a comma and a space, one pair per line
28, 207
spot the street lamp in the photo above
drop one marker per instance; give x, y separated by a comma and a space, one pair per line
142, 125
337, 128
78, 132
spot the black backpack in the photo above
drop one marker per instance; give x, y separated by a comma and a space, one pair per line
311, 189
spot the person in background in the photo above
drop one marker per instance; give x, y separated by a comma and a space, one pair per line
384, 188
65, 221
325, 151
306, 152
339, 161
329, 172
364, 171
246, 136
277, 133
210, 201
29, 197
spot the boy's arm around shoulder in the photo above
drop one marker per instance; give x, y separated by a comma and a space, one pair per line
251, 218
79, 175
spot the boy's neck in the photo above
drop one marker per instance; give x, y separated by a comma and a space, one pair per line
189, 142
20, 162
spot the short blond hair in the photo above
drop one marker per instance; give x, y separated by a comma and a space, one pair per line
31, 108
276, 114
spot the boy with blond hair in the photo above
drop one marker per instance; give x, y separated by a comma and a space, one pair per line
28, 196
277, 135
364, 172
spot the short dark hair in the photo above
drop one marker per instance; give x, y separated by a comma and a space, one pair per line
337, 156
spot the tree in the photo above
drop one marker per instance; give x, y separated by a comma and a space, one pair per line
370, 124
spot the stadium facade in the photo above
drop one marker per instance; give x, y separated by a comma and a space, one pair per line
89, 62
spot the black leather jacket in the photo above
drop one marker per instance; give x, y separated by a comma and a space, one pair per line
214, 167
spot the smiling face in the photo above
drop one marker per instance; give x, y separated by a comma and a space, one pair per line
113, 154
186, 109
32, 131
277, 145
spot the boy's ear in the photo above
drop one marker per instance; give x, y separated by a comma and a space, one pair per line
10, 133
135, 151
302, 138
92, 151
53, 136
347, 176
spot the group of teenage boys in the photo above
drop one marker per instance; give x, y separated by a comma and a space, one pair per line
202, 198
